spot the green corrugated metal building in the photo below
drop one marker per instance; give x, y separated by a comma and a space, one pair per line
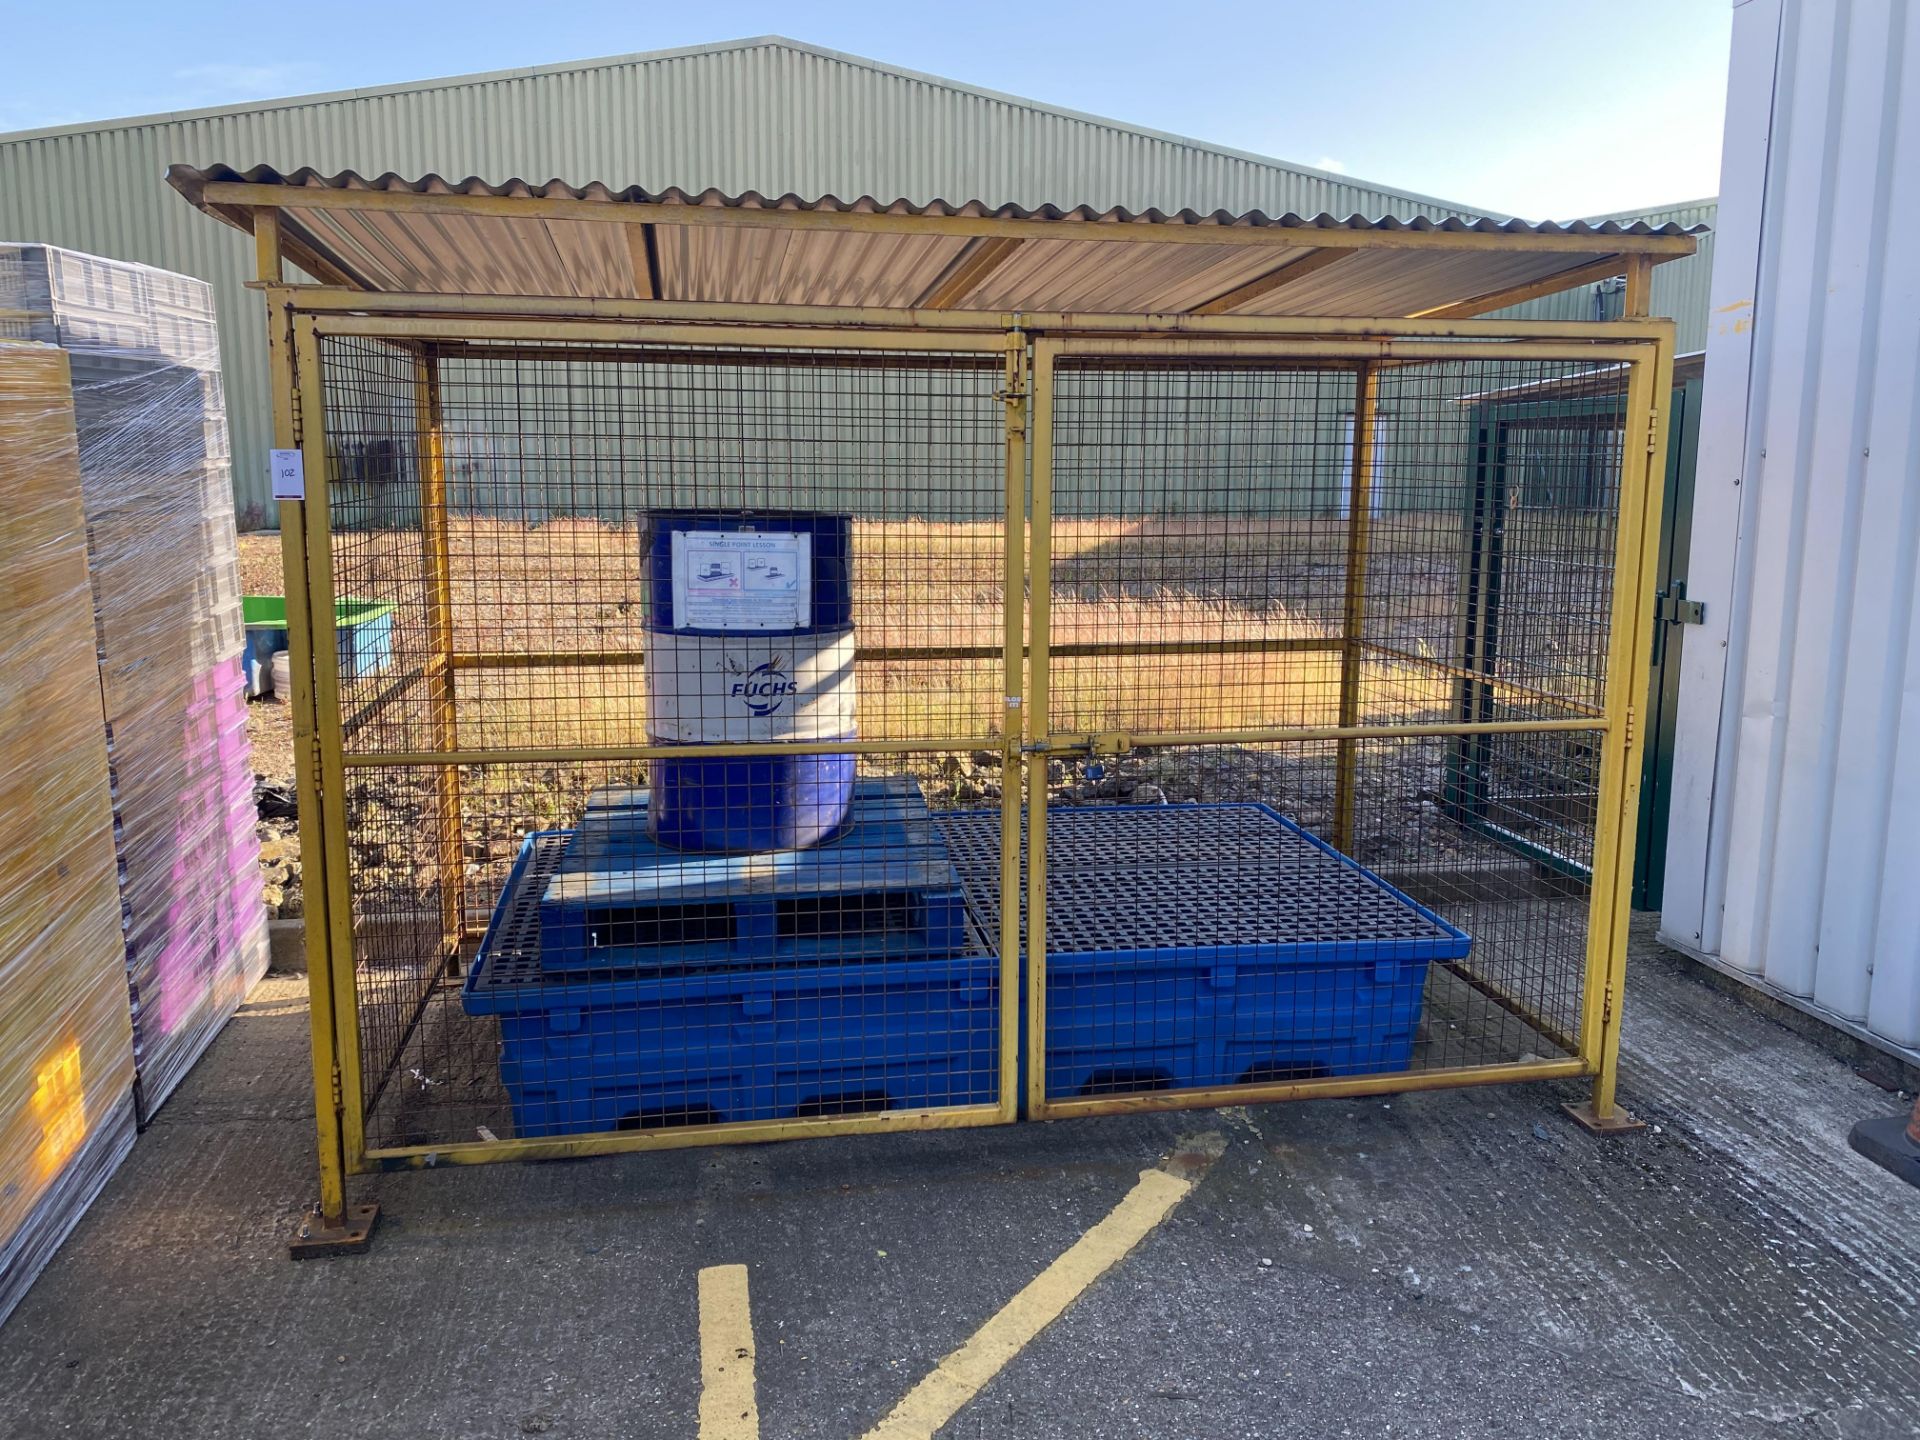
768, 115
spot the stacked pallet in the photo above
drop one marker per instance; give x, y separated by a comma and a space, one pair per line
66, 1048
151, 426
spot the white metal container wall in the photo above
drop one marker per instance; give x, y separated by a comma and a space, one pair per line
767, 115
1794, 855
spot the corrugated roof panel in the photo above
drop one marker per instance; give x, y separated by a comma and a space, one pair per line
892, 270
192, 182
1401, 282
1113, 261
740, 266
600, 259
1090, 275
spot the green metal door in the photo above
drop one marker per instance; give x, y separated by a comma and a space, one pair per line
1672, 615
1578, 432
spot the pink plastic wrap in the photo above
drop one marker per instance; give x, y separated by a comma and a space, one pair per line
151, 426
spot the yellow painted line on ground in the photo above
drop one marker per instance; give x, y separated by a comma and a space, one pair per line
959, 1377
728, 1409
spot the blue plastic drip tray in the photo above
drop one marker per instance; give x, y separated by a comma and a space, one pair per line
603, 1049
1187, 947
1139, 878
1198, 946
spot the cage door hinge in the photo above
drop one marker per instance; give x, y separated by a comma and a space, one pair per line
1606, 1006
1653, 431
1631, 726
339, 1091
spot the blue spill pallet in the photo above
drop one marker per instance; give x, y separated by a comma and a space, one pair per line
615, 1050
1206, 945
621, 901
1188, 946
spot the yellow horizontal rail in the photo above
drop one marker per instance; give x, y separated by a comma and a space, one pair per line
623, 212
544, 659
643, 333
743, 1132
1327, 1088
322, 299
564, 754
702, 348
1080, 649
1112, 741
1280, 734
1174, 349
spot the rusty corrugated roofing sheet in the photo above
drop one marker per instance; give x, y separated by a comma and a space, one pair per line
965, 256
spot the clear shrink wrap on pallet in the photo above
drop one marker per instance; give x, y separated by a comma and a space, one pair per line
151, 425
66, 1045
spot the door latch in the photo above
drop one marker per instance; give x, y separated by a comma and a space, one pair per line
1674, 607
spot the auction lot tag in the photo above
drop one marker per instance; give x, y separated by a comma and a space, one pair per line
289, 469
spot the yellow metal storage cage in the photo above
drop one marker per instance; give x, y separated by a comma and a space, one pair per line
1197, 616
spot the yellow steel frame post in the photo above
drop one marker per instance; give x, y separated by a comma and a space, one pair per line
334, 1227
1639, 297
313, 869
267, 258
336, 912
1039, 720
434, 522
1629, 671
1013, 722
1354, 610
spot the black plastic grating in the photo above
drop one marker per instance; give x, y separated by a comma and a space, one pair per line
1176, 877
1118, 879
1081, 838
510, 956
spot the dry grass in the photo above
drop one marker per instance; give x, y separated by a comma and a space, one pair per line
574, 587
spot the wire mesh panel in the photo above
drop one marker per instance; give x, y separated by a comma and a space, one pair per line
678, 682
778, 569
1335, 813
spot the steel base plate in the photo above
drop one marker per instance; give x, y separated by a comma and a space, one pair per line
1885, 1142
1618, 1123
316, 1239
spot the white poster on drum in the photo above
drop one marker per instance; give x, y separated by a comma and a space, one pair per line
742, 580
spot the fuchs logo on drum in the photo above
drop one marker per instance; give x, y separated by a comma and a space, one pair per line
765, 688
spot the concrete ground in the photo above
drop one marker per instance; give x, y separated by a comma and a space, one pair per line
1461, 1263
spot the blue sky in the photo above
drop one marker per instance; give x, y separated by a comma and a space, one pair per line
1543, 108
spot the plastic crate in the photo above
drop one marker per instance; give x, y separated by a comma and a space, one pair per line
362, 628
711, 1042
1204, 945
622, 900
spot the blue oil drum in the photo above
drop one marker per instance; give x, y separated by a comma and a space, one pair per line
749, 640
